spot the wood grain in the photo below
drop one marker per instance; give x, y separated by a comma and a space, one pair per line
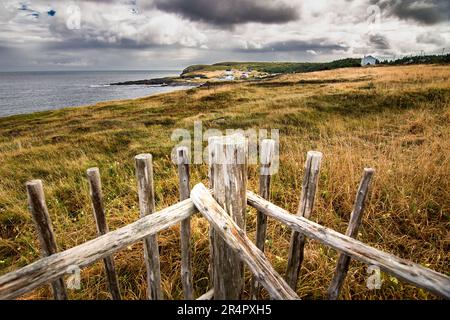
352, 231
185, 236
267, 154
144, 174
211, 160
34, 275
95, 188
298, 240
39, 211
408, 271
236, 239
230, 180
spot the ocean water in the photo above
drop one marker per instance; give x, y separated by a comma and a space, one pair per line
26, 92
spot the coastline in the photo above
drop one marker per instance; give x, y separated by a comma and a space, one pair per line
175, 88
164, 82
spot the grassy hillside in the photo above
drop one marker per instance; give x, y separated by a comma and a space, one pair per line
275, 67
394, 119
302, 67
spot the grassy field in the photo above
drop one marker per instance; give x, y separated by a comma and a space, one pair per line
394, 119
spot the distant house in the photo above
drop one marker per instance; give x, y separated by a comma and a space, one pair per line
245, 75
368, 61
228, 76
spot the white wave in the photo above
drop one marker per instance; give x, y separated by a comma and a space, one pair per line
99, 85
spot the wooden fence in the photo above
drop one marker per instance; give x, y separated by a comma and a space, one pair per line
223, 204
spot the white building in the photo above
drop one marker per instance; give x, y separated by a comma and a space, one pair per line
245, 75
368, 61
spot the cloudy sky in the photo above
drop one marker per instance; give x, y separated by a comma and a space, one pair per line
171, 34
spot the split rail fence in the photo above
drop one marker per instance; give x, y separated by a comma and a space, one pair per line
224, 205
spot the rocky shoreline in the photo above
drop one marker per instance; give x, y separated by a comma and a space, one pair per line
175, 82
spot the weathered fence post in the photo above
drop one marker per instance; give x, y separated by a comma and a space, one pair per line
144, 173
211, 159
309, 186
352, 231
267, 153
229, 172
39, 211
186, 255
95, 187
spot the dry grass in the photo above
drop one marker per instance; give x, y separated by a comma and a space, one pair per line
395, 119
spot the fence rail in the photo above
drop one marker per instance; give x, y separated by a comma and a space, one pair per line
50, 268
224, 206
411, 272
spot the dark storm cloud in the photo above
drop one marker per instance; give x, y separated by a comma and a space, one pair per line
230, 12
94, 38
75, 44
431, 38
378, 41
427, 12
319, 46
